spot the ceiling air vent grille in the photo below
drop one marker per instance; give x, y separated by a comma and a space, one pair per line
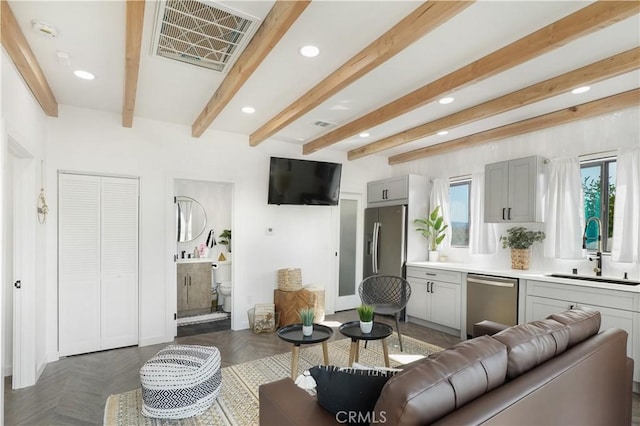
322, 123
202, 33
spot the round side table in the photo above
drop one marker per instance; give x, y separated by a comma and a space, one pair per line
380, 331
293, 334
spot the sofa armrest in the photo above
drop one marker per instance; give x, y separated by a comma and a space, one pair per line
283, 403
487, 327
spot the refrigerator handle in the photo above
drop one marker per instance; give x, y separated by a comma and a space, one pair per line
374, 254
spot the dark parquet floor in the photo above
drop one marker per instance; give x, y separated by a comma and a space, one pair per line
73, 390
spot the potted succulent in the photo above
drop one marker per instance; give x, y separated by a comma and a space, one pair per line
433, 229
365, 313
306, 316
519, 239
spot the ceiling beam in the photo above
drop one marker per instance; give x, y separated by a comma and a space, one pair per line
25, 61
587, 110
598, 71
282, 15
587, 20
424, 19
135, 21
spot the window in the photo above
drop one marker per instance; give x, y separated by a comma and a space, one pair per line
599, 189
459, 212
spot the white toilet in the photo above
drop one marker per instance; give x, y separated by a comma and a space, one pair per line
222, 279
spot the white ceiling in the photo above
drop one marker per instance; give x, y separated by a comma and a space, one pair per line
93, 33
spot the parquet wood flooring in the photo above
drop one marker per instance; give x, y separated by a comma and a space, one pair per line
73, 390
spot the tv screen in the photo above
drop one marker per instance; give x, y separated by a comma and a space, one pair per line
304, 182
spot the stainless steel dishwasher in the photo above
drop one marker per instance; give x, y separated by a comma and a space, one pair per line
491, 298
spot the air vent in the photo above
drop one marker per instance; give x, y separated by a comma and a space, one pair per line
202, 33
321, 123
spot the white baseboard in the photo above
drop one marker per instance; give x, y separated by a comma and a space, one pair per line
7, 370
242, 326
155, 340
53, 356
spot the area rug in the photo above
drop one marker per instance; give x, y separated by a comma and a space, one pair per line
237, 403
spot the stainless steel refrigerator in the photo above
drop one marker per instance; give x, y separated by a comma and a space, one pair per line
385, 247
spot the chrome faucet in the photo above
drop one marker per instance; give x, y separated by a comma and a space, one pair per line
598, 268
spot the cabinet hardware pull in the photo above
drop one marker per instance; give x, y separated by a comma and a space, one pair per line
18, 284
432, 283
431, 274
509, 213
503, 209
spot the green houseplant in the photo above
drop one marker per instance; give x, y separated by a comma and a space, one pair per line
307, 316
520, 239
433, 229
225, 239
365, 313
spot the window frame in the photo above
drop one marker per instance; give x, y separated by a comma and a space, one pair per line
604, 164
460, 182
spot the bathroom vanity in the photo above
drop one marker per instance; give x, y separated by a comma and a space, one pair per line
194, 287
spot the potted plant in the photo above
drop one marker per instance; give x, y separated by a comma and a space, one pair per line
365, 313
225, 239
519, 239
433, 229
306, 316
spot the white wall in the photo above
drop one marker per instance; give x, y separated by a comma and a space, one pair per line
596, 135
25, 123
92, 141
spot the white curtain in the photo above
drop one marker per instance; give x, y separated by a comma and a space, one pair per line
440, 197
482, 236
564, 213
626, 216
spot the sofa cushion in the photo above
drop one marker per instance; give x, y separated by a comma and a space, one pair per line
432, 387
533, 343
349, 393
582, 323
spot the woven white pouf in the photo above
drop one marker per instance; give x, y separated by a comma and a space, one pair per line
180, 381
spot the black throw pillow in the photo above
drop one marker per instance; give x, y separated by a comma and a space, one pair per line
349, 394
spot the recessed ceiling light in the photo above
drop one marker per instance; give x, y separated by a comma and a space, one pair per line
309, 51
248, 110
579, 90
364, 135
446, 100
85, 75
443, 132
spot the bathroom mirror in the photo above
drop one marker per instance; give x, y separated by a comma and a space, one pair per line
191, 219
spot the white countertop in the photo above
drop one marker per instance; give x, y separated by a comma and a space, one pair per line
523, 274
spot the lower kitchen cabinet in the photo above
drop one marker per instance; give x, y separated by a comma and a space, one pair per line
544, 299
435, 301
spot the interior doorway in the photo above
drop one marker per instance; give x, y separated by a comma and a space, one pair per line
203, 244
20, 262
350, 251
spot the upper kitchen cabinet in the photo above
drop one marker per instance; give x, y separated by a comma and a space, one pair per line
513, 190
396, 190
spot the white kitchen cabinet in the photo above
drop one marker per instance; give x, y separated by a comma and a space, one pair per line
513, 190
435, 296
617, 309
393, 190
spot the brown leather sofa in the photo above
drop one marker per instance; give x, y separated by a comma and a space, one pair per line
561, 370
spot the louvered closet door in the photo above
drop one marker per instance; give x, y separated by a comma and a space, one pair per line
119, 260
98, 263
79, 263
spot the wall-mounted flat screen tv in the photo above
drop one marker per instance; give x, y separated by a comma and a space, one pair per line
304, 182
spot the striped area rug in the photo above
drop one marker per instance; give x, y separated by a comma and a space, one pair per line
237, 403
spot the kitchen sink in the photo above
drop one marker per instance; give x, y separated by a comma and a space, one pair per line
597, 279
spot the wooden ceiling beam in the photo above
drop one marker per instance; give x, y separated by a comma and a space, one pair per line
25, 61
585, 21
134, 24
425, 18
587, 110
598, 71
282, 15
